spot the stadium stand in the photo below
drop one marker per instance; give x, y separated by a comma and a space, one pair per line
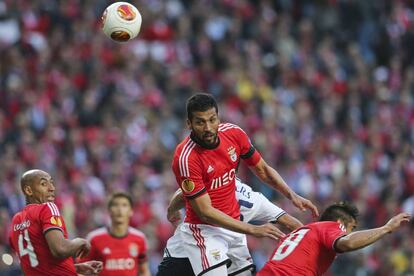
324, 88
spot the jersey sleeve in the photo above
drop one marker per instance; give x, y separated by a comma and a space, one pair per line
50, 218
264, 210
188, 173
331, 233
248, 152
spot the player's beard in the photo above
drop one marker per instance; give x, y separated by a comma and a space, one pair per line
210, 139
209, 143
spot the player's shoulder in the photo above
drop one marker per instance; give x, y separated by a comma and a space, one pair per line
185, 148
97, 233
185, 155
51, 207
136, 233
38, 208
229, 128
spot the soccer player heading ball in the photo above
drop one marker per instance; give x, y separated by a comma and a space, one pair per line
205, 165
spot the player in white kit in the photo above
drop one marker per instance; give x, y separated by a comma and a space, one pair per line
254, 208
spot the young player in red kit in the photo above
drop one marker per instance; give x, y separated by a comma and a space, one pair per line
121, 248
38, 233
205, 165
311, 249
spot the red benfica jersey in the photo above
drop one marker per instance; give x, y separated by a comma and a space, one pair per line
27, 238
200, 170
309, 250
120, 255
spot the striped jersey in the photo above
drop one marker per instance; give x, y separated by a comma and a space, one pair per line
120, 255
200, 170
308, 250
27, 238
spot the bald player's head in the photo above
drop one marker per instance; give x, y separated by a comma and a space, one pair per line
37, 186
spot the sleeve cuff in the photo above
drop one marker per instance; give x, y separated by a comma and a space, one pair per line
199, 193
51, 228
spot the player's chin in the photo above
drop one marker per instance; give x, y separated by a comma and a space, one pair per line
50, 198
210, 140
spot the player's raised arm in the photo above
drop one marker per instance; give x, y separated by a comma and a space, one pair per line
270, 176
208, 214
363, 238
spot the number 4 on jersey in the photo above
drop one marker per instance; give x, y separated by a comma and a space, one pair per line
289, 244
29, 250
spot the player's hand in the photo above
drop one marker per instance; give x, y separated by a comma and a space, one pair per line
303, 204
83, 247
396, 221
89, 268
268, 230
174, 217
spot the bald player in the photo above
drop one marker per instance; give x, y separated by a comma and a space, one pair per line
38, 233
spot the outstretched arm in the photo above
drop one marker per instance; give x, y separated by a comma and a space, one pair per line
208, 214
360, 239
273, 179
289, 222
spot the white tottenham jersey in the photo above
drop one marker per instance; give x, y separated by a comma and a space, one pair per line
255, 208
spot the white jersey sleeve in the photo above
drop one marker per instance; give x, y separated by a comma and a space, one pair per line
254, 206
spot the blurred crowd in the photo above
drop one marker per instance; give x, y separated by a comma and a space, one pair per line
325, 89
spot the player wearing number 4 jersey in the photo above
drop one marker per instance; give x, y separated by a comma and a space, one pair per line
38, 233
205, 165
311, 249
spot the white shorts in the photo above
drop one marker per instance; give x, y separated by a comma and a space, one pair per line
208, 247
255, 208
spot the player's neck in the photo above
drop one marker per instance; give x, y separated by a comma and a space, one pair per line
118, 230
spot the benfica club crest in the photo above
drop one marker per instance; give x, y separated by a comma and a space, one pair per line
232, 152
133, 250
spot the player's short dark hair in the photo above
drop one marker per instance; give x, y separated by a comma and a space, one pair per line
200, 102
119, 195
343, 210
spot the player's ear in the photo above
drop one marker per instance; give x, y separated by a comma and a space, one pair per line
188, 122
28, 190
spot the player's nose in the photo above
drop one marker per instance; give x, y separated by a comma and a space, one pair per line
208, 127
51, 187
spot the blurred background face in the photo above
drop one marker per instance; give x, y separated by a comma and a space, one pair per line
120, 210
204, 126
42, 189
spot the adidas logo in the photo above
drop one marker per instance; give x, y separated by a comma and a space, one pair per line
210, 169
